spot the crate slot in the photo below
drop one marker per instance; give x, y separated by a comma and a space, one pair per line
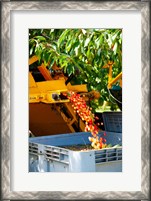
100, 160
57, 150
108, 155
114, 158
56, 154
33, 148
52, 155
53, 159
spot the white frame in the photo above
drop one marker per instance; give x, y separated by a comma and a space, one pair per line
7, 7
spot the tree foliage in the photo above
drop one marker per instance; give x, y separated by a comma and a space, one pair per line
82, 52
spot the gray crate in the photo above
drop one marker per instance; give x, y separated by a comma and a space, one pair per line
47, 155
112, 121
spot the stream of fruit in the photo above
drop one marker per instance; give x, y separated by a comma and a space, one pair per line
85, 113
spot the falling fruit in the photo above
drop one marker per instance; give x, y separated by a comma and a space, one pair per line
85, 113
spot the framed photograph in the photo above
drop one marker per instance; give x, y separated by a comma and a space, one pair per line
20, 21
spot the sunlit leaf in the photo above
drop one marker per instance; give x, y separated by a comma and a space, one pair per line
41, 38
87, 42
115, 48
62, 37
70, 70
31, 50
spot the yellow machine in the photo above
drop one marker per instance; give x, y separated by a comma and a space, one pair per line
57, 115
50, 90
50, 112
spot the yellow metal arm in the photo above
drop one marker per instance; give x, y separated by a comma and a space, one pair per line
33, 60
112, 81
118, 77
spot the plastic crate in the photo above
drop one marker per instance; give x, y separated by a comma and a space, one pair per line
47, 155
112, 121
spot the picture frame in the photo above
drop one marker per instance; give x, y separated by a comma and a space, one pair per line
6, 138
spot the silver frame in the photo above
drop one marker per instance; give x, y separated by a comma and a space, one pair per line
7, 7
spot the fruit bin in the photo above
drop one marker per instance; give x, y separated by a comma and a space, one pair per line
46, 154
112, 121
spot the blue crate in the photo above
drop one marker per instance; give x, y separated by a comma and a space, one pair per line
47, 155
112, 121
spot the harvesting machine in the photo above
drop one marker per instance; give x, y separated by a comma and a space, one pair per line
50, 112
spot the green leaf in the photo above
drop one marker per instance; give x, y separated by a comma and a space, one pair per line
52, 61
99, 52
41, 38
98, 80
84, 31
63, 37
115, 48
70, 69
114, 36
68, 46
87, 42
97, 43
88, 54
31, 50
46, 57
